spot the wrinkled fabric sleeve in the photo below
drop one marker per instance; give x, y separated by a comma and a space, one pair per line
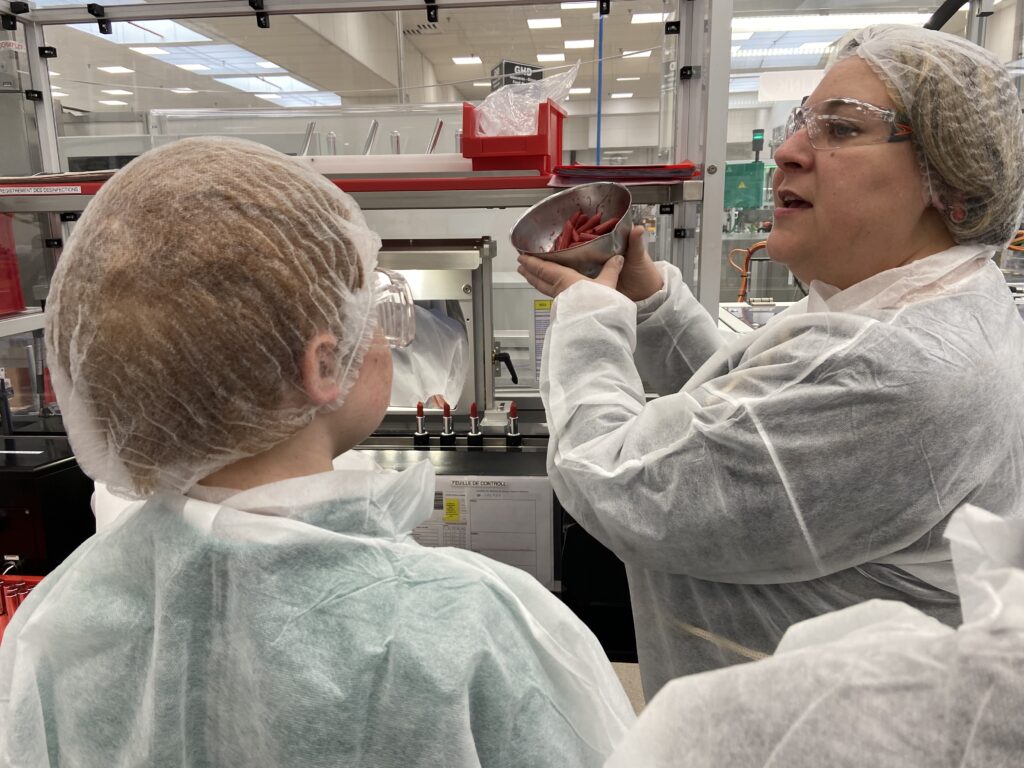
813, 454
674, 334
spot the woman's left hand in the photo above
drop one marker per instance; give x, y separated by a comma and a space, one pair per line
551, 279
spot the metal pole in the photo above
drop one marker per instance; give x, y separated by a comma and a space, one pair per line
600, 86
400, 43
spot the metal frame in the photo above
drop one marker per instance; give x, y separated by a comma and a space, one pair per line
701, 109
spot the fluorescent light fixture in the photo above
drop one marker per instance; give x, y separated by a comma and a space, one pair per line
149, 32
649, 18
149, 51
267, 65
626, 79
183, 90
269, 96
118, 92
114, 103
579, 43
544, 23
578, 6
193, 67
116, 70
57, 95
820, 22
622, 95
807, 49
482, 84
54, 74
466, 59
267, 83
636, 54
550, 57
579, 90
741, 36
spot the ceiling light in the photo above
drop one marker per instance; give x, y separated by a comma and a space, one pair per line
544, 23
114, 103
579, 90
182, 90
550, 57
626, 79
577, 6
118, 92
267, 65
820, 22
149, 51
579, 43
193, 67
807, 49
742, 35
622, 95
57, 95
474, 59
649, 18
116, 70
280, 84
54, 74
482, 84
636, 54
268, 96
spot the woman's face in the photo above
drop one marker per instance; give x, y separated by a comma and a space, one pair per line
864, 208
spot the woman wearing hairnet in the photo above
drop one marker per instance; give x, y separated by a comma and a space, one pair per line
812, 464
217, 333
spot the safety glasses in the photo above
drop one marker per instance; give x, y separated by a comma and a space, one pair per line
842, 123
396, 314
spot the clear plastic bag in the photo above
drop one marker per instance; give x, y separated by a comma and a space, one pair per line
512, 109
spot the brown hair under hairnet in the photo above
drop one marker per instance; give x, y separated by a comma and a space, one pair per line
966, 121
181, 310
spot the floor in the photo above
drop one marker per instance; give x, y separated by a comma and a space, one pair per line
629, 676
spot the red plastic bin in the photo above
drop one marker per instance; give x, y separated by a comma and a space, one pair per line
13, 591
11, 297
541, 151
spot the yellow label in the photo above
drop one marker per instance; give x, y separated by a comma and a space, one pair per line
743, 185
451, 511
542, 305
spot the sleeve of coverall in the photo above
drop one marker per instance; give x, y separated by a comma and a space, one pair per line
815, 453
674, 334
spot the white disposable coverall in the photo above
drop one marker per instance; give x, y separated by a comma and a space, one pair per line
299, 624
877, 684
802, 468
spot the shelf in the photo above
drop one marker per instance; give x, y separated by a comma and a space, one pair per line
406, 193
22, 322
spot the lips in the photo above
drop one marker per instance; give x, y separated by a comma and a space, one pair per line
790, 199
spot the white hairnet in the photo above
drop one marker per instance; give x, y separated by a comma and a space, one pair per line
181, 309
966, 120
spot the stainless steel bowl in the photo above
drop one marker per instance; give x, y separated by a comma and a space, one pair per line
538, 229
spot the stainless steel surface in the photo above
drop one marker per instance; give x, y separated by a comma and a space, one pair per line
308, 138
332, 143
371, 137
23, 322
537, 230
396, 143
376, 201
432, 144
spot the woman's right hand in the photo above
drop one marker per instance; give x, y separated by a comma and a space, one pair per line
639, 278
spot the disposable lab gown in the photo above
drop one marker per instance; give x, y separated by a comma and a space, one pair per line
298, 624
877, 684
795, 470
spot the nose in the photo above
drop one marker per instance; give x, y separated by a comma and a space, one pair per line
795, 153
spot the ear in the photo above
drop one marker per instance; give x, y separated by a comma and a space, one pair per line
320, 369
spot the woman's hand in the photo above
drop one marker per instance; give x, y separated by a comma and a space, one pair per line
635, 276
